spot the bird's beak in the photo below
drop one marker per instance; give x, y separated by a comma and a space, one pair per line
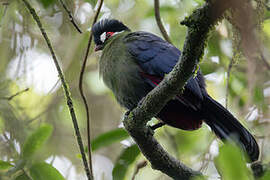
98, 47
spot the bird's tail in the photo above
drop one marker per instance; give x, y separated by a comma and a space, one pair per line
227, 127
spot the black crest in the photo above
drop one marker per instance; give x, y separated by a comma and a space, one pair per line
107, 25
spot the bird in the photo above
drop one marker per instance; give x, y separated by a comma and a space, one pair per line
133, 63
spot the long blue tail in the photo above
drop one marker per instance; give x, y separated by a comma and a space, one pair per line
225, 125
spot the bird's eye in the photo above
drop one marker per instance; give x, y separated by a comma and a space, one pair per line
109, 34
103, 37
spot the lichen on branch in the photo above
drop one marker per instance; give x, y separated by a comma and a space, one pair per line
199, 24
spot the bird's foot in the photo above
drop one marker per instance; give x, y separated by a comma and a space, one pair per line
152, 129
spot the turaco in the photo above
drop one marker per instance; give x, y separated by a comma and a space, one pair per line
133, 63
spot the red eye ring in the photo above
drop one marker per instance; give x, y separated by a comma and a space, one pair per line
109, 34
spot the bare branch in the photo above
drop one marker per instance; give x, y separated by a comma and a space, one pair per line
265, 61
81, 87
65, 87
14, 95
70, 17
138, 167
5, 11
159, 23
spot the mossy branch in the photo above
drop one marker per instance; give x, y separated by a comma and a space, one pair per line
199, 24
65, 87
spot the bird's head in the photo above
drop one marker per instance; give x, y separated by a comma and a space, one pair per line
105, 29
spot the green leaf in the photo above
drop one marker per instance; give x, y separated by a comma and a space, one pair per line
126, 158
46, 3
231, 164
35, 141
22, 177
108, 138
4, 165
192, 142
208, 67
44, 171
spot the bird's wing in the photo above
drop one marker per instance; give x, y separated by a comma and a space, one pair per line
154, 55
157, 58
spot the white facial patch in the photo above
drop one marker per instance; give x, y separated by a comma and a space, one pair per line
103, 37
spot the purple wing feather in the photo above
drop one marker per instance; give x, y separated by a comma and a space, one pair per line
157, 57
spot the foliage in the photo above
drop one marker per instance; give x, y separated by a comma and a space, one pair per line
231, 153
127, 157
35, 141
44, 171
108, 138
35, 125
5, 165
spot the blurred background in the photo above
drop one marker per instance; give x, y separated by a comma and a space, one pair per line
31, 94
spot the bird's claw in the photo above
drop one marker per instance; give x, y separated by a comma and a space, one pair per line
156, 126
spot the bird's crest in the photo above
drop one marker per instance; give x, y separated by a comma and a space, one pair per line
108, 26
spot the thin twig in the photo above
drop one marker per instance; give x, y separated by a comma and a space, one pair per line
5, 3
81, 87
11, 146
228, 81
205, 161
262, 150
65, 87
26, 174
49, 108
5, 11
139, 166
265, 61
159, 23
70, 16
14, 95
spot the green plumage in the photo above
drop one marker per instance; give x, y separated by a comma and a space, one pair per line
132, 64
121, 73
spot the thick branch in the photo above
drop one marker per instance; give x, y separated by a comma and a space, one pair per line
199, 24
65, 87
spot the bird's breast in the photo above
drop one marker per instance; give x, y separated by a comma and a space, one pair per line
121, 74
